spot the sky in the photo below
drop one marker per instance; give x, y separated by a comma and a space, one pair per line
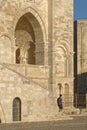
80, 9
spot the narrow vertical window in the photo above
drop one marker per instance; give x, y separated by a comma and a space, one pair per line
16, 109
60, 88
18, 56
66, 95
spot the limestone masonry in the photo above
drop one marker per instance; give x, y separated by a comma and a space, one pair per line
36, 58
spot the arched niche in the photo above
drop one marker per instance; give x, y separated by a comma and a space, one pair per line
29, 39
66, 94
61, 61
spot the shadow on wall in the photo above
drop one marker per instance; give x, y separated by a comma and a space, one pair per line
80, 90
80, 81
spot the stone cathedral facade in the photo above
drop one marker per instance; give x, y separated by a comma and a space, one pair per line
36, 58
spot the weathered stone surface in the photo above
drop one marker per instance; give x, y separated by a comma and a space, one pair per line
81, 56
36, 58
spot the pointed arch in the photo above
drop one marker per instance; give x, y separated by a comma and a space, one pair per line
29, 37
36, 15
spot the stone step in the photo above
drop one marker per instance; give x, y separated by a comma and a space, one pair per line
34, 125
29, 125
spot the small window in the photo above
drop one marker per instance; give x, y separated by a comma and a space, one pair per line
18, 56
16, 109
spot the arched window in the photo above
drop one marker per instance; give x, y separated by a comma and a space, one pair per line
61, 61
66, 94
16, 109
18, 56
29, 38
60, 88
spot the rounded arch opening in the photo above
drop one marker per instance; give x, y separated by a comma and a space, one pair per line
65, 45
61, 61
66, 94
60, 88
29, 39
16, 109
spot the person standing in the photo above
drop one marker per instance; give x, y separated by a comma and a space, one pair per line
59, 103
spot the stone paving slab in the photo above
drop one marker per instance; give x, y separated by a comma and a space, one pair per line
75, 123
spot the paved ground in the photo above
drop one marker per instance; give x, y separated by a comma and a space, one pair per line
77, 123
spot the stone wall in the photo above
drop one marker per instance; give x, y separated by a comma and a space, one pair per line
35, 100
36, 57
38, 74
81, 59
12, 11
63, 47
63, 38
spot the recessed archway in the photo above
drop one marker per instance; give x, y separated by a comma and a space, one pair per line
61, 62
29, 39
